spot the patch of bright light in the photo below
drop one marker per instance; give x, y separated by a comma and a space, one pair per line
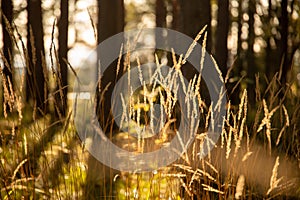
265, 3
82, 17
214, 22
84, 4
298, 76
295, 15
256, 48
78, 54
81, 95
244, 45
235, 4
245, 17
149, 40
88, 36
139, 2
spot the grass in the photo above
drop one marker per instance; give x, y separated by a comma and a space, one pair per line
256, 157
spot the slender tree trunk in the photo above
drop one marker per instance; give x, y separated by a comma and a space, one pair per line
7, 9
239, 43
251, 65
161, 13
110, 22
110, 18
62, 87
36, 88
251, 68
221, 53
7, 16
197, 14
270, 65
176, 15
284, 41
99, 180
233, 91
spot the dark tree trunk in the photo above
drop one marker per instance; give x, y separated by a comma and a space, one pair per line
233, 91
99, 180
7, 9
36, 89
176, 15
251, 65
110, 18
7, 13
221, 52
283, 52
161, 13
197, 14
110, 22
251, 68
240, 64
270, 64
61, 99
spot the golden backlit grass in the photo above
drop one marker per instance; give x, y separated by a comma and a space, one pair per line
257, 155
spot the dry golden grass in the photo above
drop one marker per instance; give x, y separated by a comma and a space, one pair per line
257, 156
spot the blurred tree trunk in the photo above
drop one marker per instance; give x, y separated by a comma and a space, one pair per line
160, 13
270, 64
176, 15
110, 22
283, 51
233, 91
110, 18
195, 15
240, 51
7, 11
6, 19
36, 89
251, 68
251, 65
160, 19
221, 52
99, 180
62, 83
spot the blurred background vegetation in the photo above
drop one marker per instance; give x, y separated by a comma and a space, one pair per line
253, 36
